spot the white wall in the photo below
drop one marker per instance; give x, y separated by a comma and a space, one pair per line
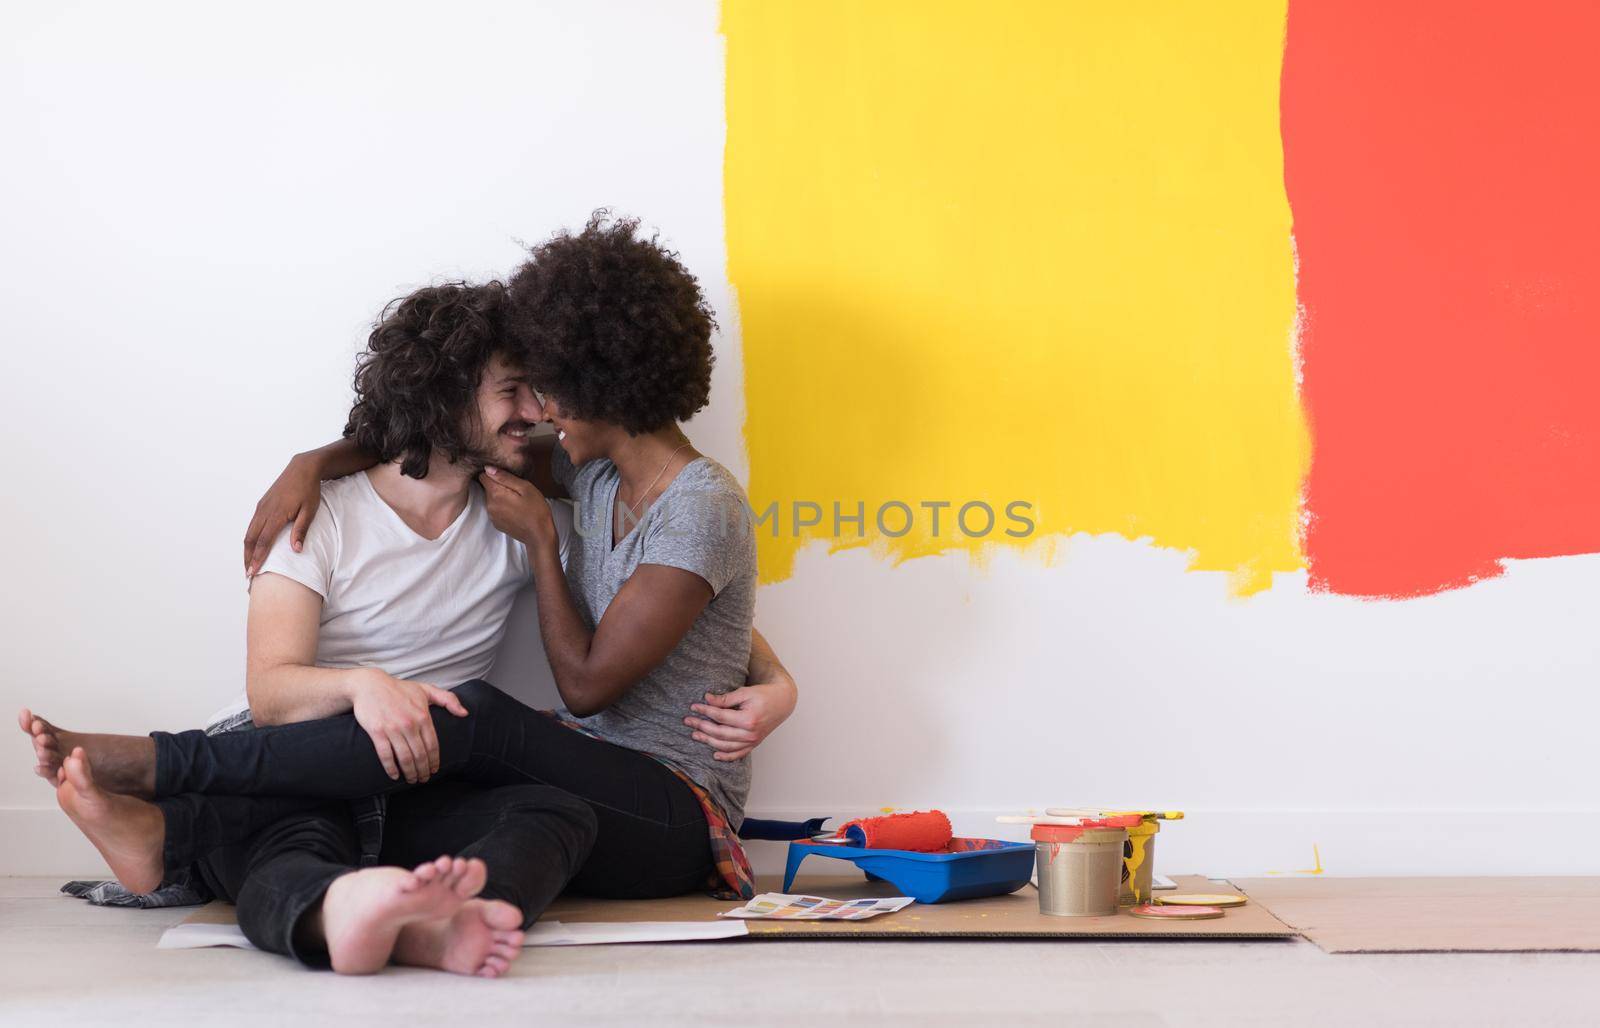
205, 206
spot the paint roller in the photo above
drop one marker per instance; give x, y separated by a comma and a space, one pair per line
924, 831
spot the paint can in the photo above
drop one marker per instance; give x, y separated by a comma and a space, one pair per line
1080, 867
1139, 862
1139, 853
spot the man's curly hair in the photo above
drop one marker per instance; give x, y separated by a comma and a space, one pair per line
614, 327
416, 383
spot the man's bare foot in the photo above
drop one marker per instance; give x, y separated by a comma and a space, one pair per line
364, 912
123, 763
481, 939
129, 833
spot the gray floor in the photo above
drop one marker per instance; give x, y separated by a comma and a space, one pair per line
67, 963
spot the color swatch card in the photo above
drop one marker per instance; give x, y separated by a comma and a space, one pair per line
779, 905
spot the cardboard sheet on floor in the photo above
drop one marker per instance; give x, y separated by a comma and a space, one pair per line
998, 917
1416, 915
1013, 916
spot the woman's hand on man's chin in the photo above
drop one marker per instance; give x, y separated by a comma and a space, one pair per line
518, 508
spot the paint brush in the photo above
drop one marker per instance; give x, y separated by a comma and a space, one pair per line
1149, 815
1055, 819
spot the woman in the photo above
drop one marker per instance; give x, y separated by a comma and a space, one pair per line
653, 613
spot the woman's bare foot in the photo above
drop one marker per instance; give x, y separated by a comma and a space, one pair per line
364, 912
481, 939
124, 763
129, 833
46, 750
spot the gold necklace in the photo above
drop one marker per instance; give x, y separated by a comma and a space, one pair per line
635, 515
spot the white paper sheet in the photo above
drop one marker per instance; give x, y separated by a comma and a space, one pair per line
200, 936
544, 933
555, 933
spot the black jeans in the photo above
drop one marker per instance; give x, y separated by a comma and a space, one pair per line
532, 837
652, 838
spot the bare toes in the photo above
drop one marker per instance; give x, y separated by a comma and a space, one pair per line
76, 768
474, 879
502, 916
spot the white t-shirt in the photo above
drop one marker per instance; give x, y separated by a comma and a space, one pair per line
428, 610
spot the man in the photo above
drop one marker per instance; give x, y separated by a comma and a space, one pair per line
401, 584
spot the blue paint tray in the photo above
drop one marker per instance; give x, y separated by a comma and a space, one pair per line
964, 869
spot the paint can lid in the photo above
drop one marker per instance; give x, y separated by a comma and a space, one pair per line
1154, 912
1200, 899
1071, 833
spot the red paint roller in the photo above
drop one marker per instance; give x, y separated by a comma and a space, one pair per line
925, 831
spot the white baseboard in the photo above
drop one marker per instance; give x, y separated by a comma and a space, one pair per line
41, 841
1220, 843
1234, 843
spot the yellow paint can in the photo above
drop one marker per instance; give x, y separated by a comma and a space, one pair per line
1139, 862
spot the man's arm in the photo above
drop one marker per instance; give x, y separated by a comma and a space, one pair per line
282, 680
765, 667
736, 722
284, 685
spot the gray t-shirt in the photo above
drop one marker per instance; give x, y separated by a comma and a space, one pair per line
701, 524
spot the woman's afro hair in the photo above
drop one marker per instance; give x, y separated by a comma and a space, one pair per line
613, 326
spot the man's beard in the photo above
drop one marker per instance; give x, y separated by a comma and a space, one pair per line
481, 453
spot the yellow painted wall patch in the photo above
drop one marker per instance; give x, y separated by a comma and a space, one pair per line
1010, 252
